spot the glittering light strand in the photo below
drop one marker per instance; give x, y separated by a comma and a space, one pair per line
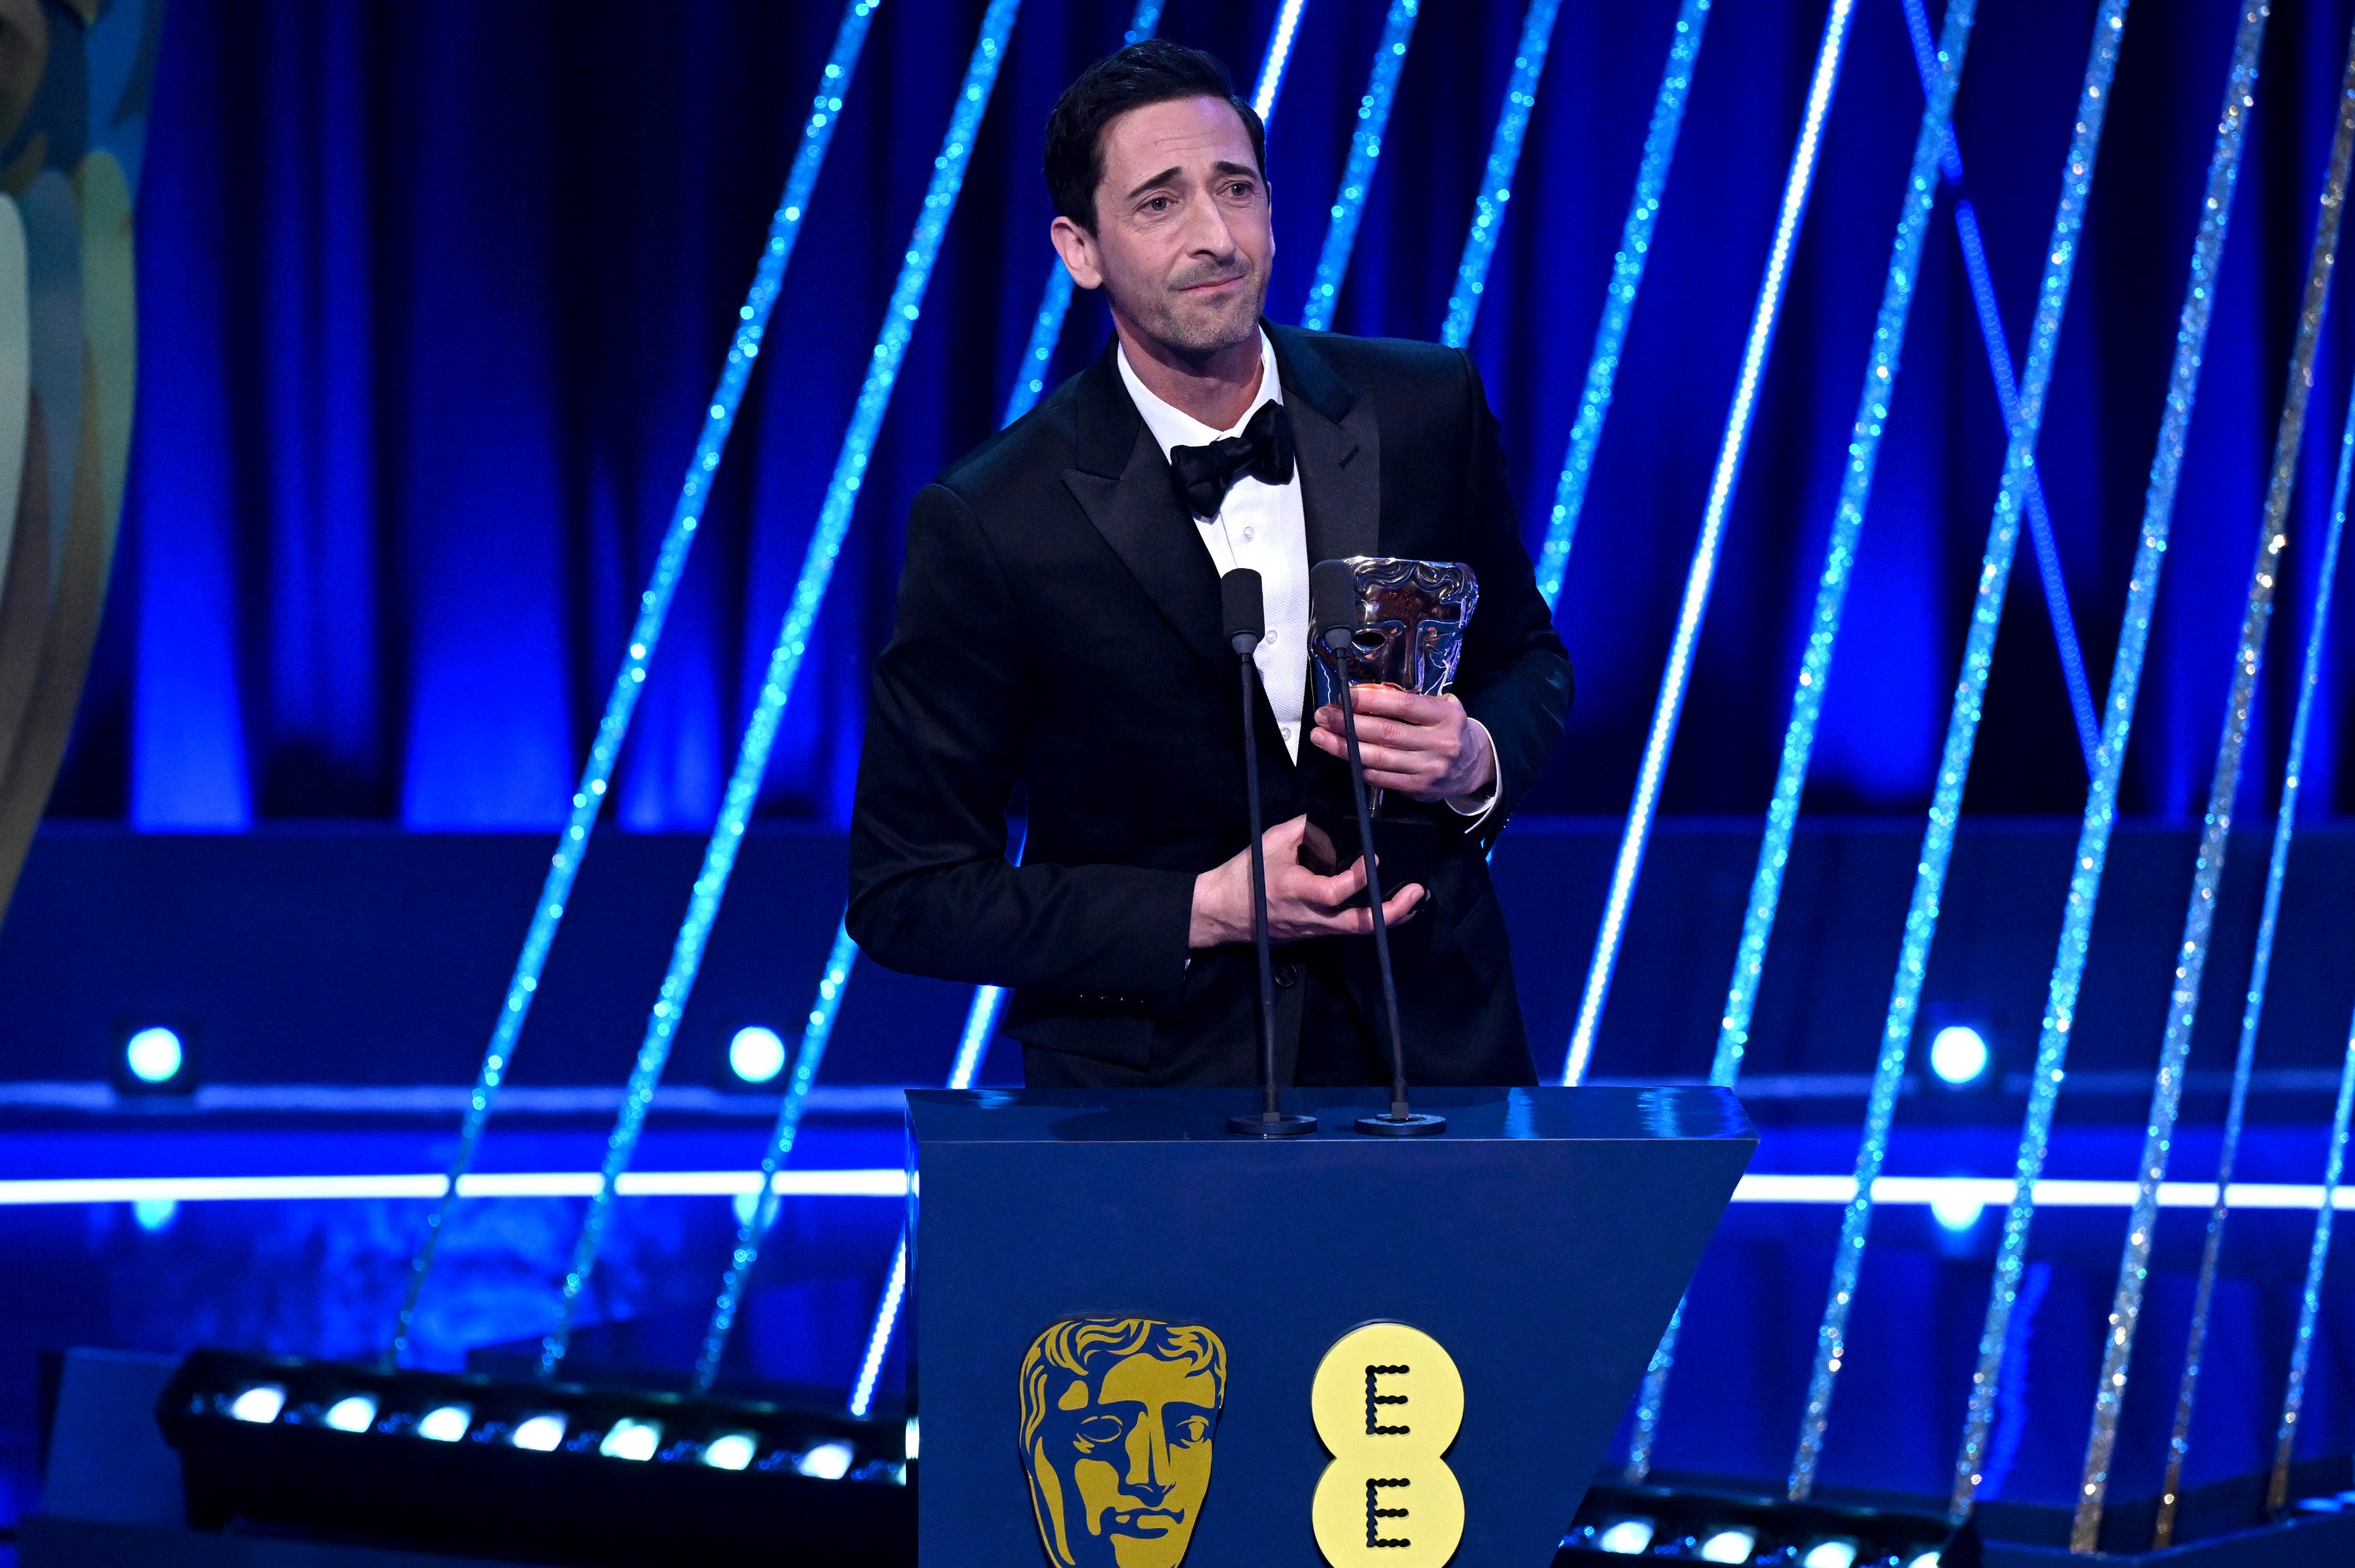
878, 1338
2309, 1308
1619, 299
1839, 557
1358, 175
1278, 55
2102, 796
792, 642
2208, 872
654, 608
1962, 731
1496, 180
1702, 574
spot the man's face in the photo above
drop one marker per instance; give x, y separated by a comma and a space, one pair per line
1135, 1453
1182, 245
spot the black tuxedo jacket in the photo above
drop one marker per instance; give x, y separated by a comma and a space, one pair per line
1059, 634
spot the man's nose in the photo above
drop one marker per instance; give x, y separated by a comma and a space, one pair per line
1208, 231
1148, 1462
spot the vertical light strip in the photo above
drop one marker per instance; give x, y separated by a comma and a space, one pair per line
1619, 298
1702, 574
2253, 1010
792, 642
1998, 352
2215, 839
1839, 557
879, 1339
654, 608
2311, 1303
1496, 180
1055, 299
1962, 731
764, 1213
1358, 175
1278, 55
2117, 723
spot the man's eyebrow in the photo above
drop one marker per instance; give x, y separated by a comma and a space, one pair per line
1168, 177
1236, 169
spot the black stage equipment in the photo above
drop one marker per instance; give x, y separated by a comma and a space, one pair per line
1244, 608
535, 1472
1333, 599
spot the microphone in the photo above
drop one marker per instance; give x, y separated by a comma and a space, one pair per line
1333, 604
1243, 609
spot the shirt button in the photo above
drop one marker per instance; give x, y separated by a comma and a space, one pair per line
1247, 535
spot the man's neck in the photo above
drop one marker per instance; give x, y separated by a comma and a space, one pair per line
1217, 389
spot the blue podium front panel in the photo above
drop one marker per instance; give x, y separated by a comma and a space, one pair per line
1128, 1328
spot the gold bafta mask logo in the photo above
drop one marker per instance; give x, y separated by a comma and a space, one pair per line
1117, 1418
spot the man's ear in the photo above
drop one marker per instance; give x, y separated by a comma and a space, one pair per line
1077, 246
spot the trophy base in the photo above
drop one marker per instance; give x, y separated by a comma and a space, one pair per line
1415, 1124
1406, 849
1260, 1124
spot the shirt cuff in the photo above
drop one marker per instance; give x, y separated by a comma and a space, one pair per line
1481, 801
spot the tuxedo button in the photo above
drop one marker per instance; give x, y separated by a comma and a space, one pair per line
1287, 975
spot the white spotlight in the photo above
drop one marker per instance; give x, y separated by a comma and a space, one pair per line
153, 1214
260, 1404
445, 1423
631, 1440
1626, 1537
1955, 1211
756, 1054
353, 1413
731, 1451
1835, 1553
541, 1434
154, 1055
1959, 1053
827, 1461
1730, 1545
912, 1437
1929, 1559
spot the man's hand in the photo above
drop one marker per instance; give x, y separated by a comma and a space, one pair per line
1300, 904
1423, 748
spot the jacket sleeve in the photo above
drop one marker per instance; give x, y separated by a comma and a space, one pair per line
1515, 677
931, 891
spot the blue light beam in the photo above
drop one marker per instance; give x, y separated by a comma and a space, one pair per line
1497, 179
1358, 175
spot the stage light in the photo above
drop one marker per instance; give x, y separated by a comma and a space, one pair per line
353, 1413
1958, 1055
155, 1213
445, 1423
154, 1055
1956, 1211
1930, 1559
631, 1439
1731, 1545
756, 1053
731, 1450
540, 1434
912, 1440
827, 1461
260, 1404
1627, 1537
1837, 1553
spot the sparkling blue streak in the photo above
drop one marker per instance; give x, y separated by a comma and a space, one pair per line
879, 1339
2310, 1302
1278, 55
1619, 299
1358, 175
1998, 352
1962, 731
792, 642
2117, 723
1702, 574
816, 1032
653, 607
1497, 181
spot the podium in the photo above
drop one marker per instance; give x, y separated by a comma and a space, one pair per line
1129, 1327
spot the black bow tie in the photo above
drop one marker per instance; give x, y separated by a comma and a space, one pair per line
1263, 450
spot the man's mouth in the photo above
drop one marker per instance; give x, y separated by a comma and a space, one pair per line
1207, 284
1145, 1520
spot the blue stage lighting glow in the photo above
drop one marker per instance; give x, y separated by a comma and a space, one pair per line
1838, 1552
879, 1336
2117, 723
259, 1404
1497, 179
792, 642
1962, 731
1625, 1537
980, 1027
540, 1434
1731, 1545
445, 1423
1279, 55
2215, 838
154, 1055
1959, 1053
1358, 175
756, 1053
1930, 1559
827, 1461
654, 608
1956, 1211
754, 1218
1619, 298
633, 1440
353, 1413
731, 1451
1702, 574
153, 1214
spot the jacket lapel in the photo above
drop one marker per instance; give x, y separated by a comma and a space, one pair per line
1339, 447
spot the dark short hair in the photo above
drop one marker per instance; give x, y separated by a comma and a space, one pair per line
1153, 71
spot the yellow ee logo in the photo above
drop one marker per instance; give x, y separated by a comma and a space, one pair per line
1388, 1400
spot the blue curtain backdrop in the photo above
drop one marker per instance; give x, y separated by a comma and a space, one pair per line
432, 298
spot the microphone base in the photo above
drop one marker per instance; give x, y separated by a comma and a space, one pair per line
1416, 1124
1259, 1124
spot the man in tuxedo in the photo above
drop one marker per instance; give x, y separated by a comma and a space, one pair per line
1058, 635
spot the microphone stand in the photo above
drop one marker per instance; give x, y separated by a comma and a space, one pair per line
1271, 1120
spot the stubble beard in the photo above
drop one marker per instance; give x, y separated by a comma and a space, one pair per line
1199, 329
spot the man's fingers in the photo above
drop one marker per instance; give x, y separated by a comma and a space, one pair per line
1397, 910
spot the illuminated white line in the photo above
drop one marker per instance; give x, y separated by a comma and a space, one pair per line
875, 1183
2050, 1194
1279, 54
